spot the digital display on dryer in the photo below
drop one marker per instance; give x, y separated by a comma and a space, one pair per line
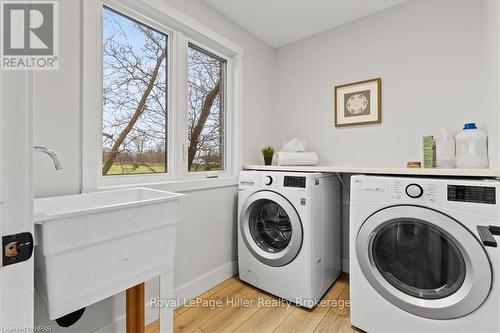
291, 181
473, 194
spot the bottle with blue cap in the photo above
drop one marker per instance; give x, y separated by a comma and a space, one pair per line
472, 148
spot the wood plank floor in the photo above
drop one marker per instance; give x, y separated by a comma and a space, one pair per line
234, 306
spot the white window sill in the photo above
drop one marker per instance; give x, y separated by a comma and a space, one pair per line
179, 185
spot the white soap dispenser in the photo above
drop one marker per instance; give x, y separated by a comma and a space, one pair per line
445, 149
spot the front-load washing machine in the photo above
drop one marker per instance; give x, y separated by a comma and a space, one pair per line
423, 254
289, 233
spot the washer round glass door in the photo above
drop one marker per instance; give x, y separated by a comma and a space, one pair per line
424, 262
271, 228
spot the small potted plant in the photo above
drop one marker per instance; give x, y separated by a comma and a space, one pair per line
268, 153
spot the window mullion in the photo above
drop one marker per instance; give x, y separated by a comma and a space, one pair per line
172, 106
181, 104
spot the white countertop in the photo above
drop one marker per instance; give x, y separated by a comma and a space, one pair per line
380, 170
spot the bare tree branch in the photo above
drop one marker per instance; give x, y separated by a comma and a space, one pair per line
196, 131
110, 159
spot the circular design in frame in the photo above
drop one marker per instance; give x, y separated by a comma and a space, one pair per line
357, 104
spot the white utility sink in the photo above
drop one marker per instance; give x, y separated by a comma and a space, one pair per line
94, 245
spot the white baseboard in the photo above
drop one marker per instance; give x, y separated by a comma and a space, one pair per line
118, 325
201, 284
345, 265
185, 293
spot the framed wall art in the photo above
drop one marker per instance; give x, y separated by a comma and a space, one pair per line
358, 103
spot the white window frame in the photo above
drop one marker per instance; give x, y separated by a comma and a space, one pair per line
228, 116
180, 30
153, 177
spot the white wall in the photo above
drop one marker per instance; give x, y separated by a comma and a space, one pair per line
492, 85
433, 57
206, 248
57, 110
438, 61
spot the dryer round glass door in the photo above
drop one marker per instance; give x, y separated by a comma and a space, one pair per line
418, 259
271, 228
424, 262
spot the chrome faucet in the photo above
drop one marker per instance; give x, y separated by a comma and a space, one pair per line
53, 156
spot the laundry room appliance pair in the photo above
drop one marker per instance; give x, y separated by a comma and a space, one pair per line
289, 233
423, 255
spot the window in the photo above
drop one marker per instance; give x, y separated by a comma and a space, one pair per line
134, 130
168, 108
205, 110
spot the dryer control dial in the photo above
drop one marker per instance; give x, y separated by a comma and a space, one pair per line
268, 180
414, 191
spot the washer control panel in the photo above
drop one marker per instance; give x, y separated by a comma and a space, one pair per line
414, 191
428, 192
474, 194
473, 197
279, 181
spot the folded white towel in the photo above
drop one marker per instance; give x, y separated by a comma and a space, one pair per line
294, 145
297, 158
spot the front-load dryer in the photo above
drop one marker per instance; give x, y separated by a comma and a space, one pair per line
423, 255
289, 233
